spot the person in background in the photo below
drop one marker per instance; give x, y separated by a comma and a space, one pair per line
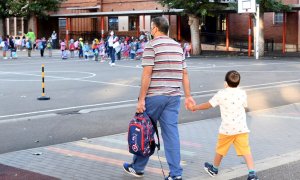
49, 46
30, 35
72, 47
29, 47
54, 39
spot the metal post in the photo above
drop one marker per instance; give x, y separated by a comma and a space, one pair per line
178, 27
249, 37
227, 32
257, 33
284, 33
7, 26
102, 26
15, 26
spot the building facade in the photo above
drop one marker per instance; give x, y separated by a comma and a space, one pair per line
95, 18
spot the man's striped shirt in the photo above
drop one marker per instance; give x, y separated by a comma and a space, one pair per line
166, 57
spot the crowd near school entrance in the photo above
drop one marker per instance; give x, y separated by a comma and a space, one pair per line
226, 31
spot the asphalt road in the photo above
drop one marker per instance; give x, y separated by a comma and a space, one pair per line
91, 99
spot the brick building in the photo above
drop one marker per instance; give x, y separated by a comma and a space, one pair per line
94, 18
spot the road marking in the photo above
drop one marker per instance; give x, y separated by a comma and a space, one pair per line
96, 158
195, 95
68, 108
239, 65
280, 117
64, 78
28, 118
84, 111
117, 151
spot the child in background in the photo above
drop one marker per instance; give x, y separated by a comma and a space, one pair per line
186, 49
80, 48
95, 49
76, 44
49, 46
5, 47
29, 47
23, 43
125, 50
101, 48
86, 49
233, 130
72, 47
63, 49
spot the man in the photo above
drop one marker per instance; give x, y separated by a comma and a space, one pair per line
164, 73
54, 39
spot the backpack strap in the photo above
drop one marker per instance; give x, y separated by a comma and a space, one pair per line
156, 131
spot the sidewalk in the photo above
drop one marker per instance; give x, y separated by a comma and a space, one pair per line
274, 140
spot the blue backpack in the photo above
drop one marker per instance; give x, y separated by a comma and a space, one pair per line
141, 139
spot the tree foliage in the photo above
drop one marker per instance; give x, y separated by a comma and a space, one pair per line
24, 8
195, 7
272, 6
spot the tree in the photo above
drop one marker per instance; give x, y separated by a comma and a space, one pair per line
28, 8
268, 6
195, 9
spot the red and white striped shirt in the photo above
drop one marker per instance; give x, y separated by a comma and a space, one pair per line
166, 55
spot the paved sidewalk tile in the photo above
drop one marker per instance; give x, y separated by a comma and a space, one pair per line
273, 132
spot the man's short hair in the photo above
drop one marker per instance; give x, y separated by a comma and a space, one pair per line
161, 23
233, 78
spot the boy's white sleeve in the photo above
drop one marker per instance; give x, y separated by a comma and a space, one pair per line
215, 100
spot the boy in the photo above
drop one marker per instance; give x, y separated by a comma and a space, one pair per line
233, 129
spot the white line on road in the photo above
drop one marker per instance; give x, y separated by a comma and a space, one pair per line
83, 79
67, 108
202, 94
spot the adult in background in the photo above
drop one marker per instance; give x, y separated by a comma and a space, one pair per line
161, 87
54, 39
111, 40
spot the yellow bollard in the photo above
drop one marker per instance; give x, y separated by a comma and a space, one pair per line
43, 97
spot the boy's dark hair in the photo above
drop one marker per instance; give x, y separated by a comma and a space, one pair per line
233, 78
162, 24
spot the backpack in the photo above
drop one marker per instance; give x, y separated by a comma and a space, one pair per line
72, 46
28, 45
141, 139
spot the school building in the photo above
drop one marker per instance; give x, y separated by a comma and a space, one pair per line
95, 18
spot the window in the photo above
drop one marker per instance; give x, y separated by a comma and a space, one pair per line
113, 23
62, 23
278, 18
132, 23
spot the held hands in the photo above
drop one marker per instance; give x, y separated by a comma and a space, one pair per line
190, 103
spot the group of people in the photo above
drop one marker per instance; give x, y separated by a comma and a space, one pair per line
112, 47
27, 42
164, 75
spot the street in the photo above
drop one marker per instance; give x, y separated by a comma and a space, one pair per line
91, 99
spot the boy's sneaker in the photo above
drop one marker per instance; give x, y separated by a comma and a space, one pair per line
173, 178
252, 176
209, 168
129, 169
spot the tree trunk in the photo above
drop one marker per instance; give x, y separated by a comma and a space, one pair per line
195, 34
31, 24
261, 38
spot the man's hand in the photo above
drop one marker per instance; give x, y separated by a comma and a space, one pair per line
189, 103
140, 107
